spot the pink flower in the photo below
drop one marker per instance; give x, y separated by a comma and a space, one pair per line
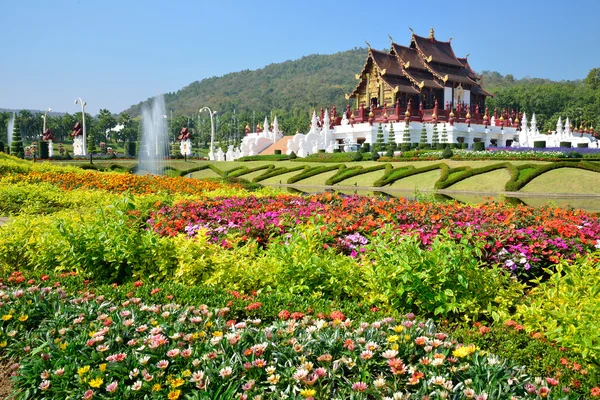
112, 387
88, 395
173, 353
45, 385
162, 364
360, 386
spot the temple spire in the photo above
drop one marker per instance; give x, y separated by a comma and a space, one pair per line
431, 34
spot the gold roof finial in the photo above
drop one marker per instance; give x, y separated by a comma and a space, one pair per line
368, 45
391, 40
411, 29
431, 33
449, 40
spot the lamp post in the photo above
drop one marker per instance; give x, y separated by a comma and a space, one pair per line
211, 153
44, 117
83, 104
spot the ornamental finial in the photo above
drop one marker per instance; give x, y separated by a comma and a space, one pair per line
368, 45
411, 29
391, 40
431, 33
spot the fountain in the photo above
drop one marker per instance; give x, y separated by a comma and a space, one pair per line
154, 146
9, 130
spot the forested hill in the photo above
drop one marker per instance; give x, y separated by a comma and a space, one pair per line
314, 80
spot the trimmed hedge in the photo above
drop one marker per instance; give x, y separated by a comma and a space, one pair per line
582, 145
478, 146
456, 175
346, 173
312, 172
517, 182
539, 144
267, 157
269, 173
393, 175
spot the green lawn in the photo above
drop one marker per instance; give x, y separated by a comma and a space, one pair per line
563, 180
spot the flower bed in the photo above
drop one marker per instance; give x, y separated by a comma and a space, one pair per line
524, 239
84, 345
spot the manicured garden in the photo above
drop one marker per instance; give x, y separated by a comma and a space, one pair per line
123, 286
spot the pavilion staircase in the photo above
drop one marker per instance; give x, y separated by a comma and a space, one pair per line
281, 144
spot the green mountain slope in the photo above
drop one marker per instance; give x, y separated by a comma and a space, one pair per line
314, 80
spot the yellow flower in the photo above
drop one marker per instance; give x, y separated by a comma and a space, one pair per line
174, 394
217, 334
156, 387
63, 346
96, 382
393, 338
186, 373
407, 337
102, 367
23, 318
154, 322
208, 324
177, 382
308, 392
6, 317
83, 370
3, 344
464, 351
394, 346
91, 334
398, 328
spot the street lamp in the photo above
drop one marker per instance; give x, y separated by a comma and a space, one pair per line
211, 153
83, 104
44, 117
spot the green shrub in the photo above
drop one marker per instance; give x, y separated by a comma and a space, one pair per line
374, 156
321, 151
131, 149
405, 147
565, 144
365, 148
337, 150
16, 147
464, 145
293, 156
478, 146
357, 156
565, 306
539, 144
447, 153
414, 145
441, 146
266, 157
444, 279
389, 153
44, 151
1, 147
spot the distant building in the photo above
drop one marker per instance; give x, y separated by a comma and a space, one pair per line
425, 72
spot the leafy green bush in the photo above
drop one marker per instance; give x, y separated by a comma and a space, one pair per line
374, 156
478, 146
267, 157
447, 152
328, 157
565, 307
357, 156
445, 279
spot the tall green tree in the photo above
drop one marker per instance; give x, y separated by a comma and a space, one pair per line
106, 122
380, 140
16, 147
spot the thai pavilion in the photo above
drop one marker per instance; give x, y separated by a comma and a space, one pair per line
423, 91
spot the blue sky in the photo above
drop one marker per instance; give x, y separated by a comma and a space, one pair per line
117, 53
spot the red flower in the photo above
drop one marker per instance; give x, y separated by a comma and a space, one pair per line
337, 315
254, 306
138, 283
284, 315
154, 291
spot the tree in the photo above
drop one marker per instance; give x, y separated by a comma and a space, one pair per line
380, 142
592, 80
423, 141
392, 137
435, 138
444, 134
16, 147
406, 136
106, 122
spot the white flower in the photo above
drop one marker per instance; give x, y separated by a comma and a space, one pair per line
226, 372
